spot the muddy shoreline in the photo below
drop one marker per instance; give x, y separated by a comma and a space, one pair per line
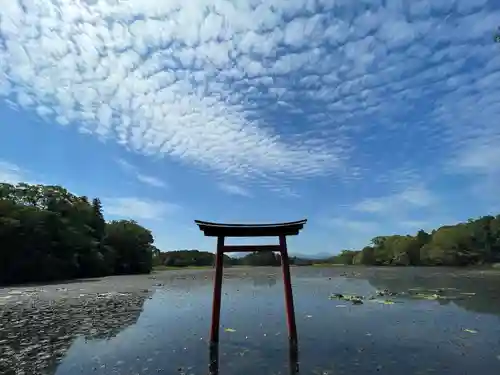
81, 288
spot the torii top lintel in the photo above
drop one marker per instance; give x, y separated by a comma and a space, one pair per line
250, 230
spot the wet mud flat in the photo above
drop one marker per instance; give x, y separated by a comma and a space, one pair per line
35, 333
39, 323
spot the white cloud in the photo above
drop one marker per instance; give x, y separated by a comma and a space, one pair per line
235, 86
372, 205
149, 180
481, 159
138, 208
416, 196
409, 198
358, 226
125, 165
285, 191
234, 189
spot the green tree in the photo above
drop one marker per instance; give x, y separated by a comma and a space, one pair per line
473, 242
345, 257
132, 246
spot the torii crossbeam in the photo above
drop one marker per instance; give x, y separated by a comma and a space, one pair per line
280, 230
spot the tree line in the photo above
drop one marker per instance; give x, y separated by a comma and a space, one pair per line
474, 242
187, 258
48, 234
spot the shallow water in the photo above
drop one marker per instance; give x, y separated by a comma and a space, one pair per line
160, 325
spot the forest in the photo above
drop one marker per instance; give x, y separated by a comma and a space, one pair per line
48, 234
474, 242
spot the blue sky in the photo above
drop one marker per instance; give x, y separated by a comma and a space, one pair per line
365, 117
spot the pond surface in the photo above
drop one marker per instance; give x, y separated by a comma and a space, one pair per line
159, 324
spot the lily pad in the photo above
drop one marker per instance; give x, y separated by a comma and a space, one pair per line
470, 330
356, 300
385, 292
389, 302
336, 296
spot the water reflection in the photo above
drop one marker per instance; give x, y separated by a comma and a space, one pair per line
472, 292
262, 280
35, 335
214, 359
293, 357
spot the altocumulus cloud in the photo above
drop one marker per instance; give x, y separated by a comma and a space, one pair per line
260, 89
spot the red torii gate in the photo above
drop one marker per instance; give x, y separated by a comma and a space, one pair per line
280, 230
